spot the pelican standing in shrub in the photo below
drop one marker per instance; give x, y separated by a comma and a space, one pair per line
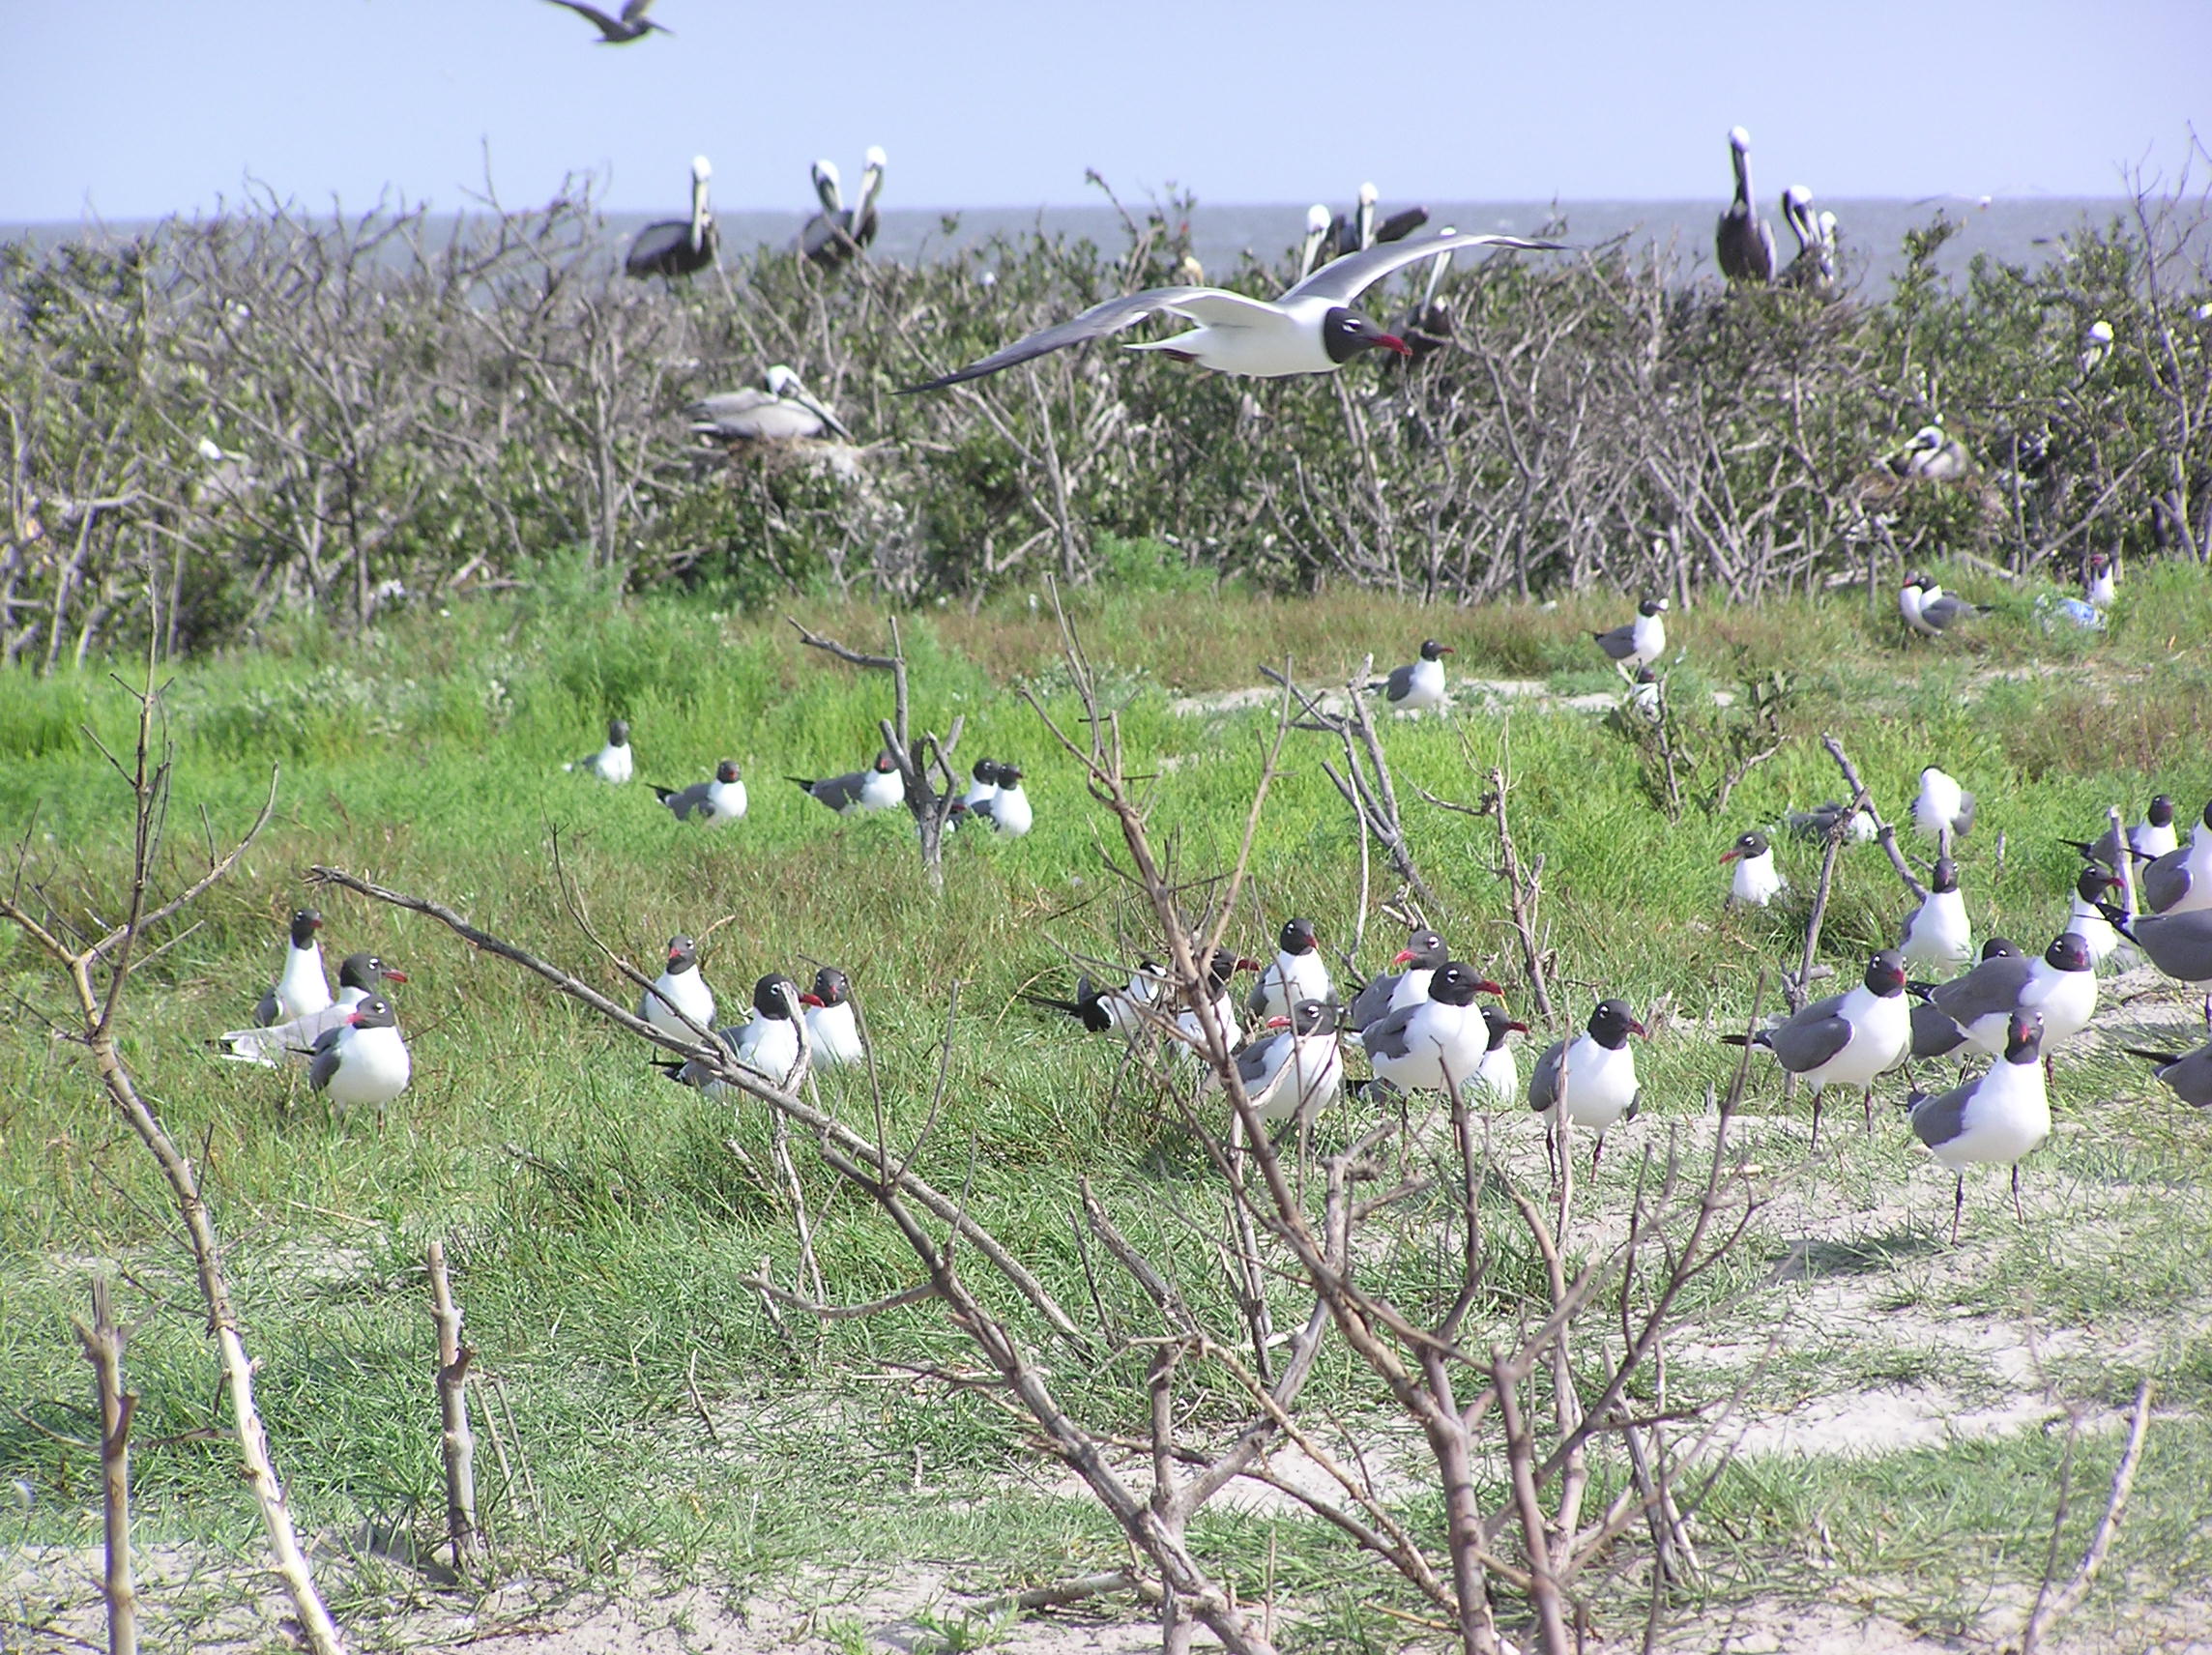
1744, 242
837, 232
1318, 223
782, 413
679, 247
1814, 267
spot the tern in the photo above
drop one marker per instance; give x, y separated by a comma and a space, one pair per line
633, 25
2000, 1117
678, 246
1437, 1043
785, 412
1590, 1079
831, 1026
613, 762
301, 989
1299, 973
679, 1003
1420, 684
1289, 1073
1008, 810
877, 787
1423, 956
1743, 241
360, 976
1757, 881
1311, 329
1938, 933
837, 232
723, 800
1640, 643
1848, 1039
362, 1061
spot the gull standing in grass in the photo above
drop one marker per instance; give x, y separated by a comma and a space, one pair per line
1299, 973
612, 762
1423, 956
2059, 986
719, 801
1848, 1039
1291, 1073
2181, 879
1588, 1081
1008, 810
2149, 839
1436, 1043
1757, 881
831, 1027
1937, 933
876, 788
1498, 1073
1420, 684
679, 1003
2177, 941
1220, 968
984, 787
1099, 1009
2001, 1117
1942, 807
362, 1061
301, 988
2099, 581
1640, 643
1743, 243
2087, 918
2187, 1073
1928, 611
360, 976
1934, 1036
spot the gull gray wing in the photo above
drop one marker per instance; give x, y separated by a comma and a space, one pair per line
1256, 1060
268, 1009
1096, 323
1991, 989
1387, 1039
1544, 1078
1342, 280
2164, 881
1620, 643
690, 798
1400, 683
1934, 1035
1965, 814
1938, 1120
1811, 1038
1371, 1004
2179, 944
325, 1061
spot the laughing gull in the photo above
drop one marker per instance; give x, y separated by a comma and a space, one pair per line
1437, 1043
877, 787
678, 246
1999, 1118
1008, 810
1928, 611
767, 1044
1814, 267
2187, 1073
2149, 839
360, 976
1848, 1039
2087, 918
831, 1027
2100, 580
1941, 806
1590, 1079
2059, 986
1822, 820
612, 762
1220, 968
1499, 1074
1934, 1036
2180, 881
1419, 685
362, 1061
1299, 973
633, 25
2177, 941
1289, 1073
1099, 1009
679, 1003
1311, 329
1757, 881
1640, 643
1743, 243
985, 786
1937, 933
301, 989
837, 232
1931, 454
1423, 956
785, 412
723, 800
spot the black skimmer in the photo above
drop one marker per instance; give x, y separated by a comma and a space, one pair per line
678, 246
2177, 941
785, 412
720, 800
1928, 611
1420, 684
1814, 267
1937, 933
1819, 822
1499, 1074
1590, 1079
1299, 973
1743, 243
1436, 1043
633, 25
1119, 1009
1941, 806
837, 232
2149, 840
1934, 1036
833, 1028
1311, 329
1848, 1039
2059, 986
1423, 956
362, 1061
1640, 643
876, 788
1757, 881
613, 762
1008, 810
679, 1003
301, 988
2000, 1117
2181, 879
1289, 1074
360, 976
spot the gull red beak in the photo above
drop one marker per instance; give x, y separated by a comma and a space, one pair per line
814, 999
1486, 986
1276, 1022
1731, 856
1392, 342
1250, 966
1447, 649
1639, 1028
1404, 956
393, 974
1522, 1026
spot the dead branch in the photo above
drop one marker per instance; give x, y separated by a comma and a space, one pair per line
456, 1442
2050, 1609
104, 1342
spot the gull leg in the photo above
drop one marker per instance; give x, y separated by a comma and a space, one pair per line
1815, 1148
1866, 1098
1596, 1149
2017, 1210
1958, 1205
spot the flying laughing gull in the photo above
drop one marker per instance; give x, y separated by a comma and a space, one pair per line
1937, 933
1590, 1079
1291, 1073
301, 988
679, 247
2148, 839
1299, 973
1640, 643
831, 1027
837, 232
1311, 329
1848, 1039
1008, 810
680, 994
1934, 1036
785, 412
2059, 986
633, 25
1941, 806
2000, 1117
362, 1061
1437, 1043
612, 762
1099, 1009
1757, 881
2180, 881
1420, 684
723, 800
877, 787
1423, 956
1743, 243
1819, 822
360, 976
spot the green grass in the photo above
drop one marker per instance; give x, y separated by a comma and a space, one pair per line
599, 1265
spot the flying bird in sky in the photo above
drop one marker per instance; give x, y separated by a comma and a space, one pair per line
633, 25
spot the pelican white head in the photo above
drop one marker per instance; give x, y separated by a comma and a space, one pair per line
1740, 138
782, 381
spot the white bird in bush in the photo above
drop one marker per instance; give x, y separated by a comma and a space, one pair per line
1743, 243
679, 1003
612, 762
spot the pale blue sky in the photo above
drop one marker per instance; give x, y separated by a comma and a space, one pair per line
133, 109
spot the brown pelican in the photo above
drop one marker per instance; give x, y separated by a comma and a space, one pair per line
1813, 269
837, 232
1744, 242
1357, 231
678, 246
2096, 346
1932, 456
784, 411
1427, 328
633, 25
1318, 222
